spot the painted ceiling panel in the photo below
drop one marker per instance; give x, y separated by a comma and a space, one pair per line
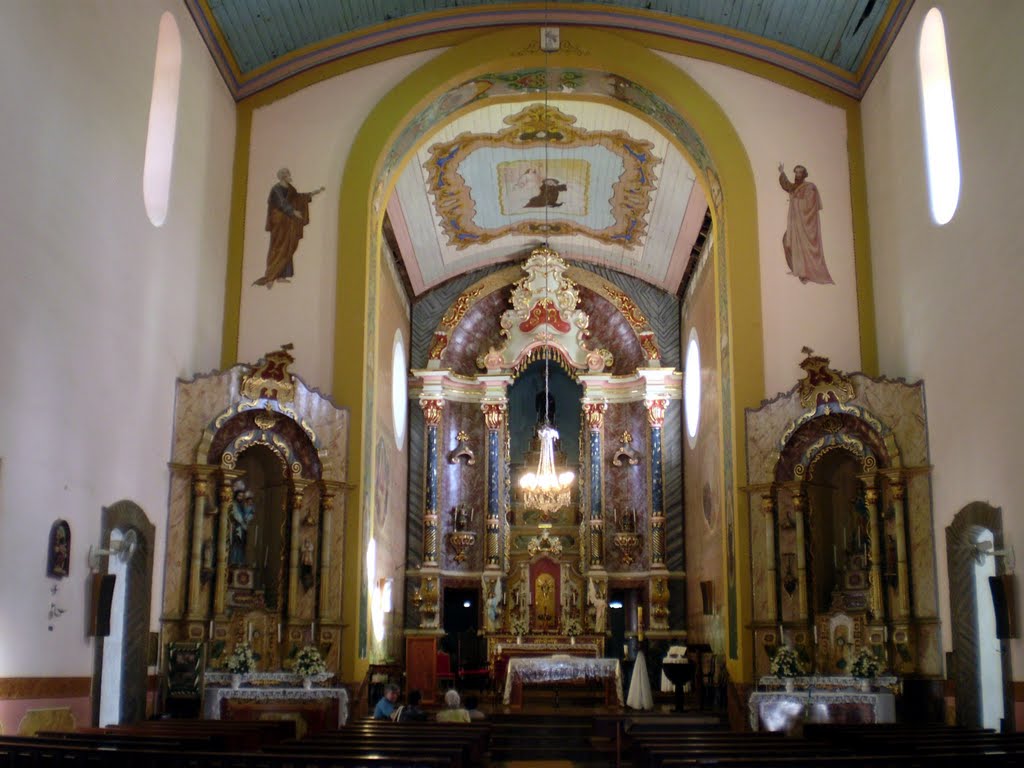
475, 193
834, 36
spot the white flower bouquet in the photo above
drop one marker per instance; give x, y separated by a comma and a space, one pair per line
520, 626
242, 661
309, 662
786, 663
865, 664
573, 627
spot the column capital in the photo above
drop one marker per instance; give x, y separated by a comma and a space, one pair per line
656, 408
594, 414
432, 408
494, 414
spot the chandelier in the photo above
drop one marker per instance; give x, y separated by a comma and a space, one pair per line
546, 489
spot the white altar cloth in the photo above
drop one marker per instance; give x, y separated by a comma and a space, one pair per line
214, 696
550, 669
778, 710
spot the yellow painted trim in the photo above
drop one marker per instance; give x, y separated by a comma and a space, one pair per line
862, 243
218, 34
236, 239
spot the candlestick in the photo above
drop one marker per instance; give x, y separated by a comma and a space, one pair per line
639, 616
815, 628
312, 631
780, 633
885, 634
279, 633
211, 628
249, 632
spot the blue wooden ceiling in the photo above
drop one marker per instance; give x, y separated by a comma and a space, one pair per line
837, 42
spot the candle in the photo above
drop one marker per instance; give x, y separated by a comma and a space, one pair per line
780, 633
249, 629
312, 630
835, 562
211, 628
885, 634
279, 633
639, 616
815, 628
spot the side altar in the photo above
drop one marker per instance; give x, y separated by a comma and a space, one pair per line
277, 696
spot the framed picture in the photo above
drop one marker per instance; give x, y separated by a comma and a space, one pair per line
58, 558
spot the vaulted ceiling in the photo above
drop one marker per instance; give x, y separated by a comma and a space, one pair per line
574, 163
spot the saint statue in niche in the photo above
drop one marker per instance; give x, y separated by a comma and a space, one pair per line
242, 513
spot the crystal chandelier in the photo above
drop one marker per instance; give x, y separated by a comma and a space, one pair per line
546, 489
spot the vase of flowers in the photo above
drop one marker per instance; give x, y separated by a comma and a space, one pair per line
786, 664
309, 662
865, 666
573, 628
240, 663
519, 628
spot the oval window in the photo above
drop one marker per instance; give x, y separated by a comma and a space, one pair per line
163, 119
691, 387
399, 388
942, 153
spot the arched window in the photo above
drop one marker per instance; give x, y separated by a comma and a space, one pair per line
163, 118
942, 156
399, 388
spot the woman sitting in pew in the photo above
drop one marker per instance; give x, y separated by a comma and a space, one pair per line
453, 711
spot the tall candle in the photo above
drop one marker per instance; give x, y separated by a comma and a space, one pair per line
780, 633
815, 634
279, 633
249, 638
639, 616
312, 630
211, 628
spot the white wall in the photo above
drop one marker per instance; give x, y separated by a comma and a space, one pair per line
99, 310
777, 124
948, 298
309, 132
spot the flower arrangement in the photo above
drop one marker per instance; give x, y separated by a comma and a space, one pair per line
242, 661
309, 662
865, 664
786, 663
573, 627
520, 626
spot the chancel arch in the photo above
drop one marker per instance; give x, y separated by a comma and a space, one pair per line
370, 177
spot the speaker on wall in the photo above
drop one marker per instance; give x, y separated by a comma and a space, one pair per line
1004, 600
101, 597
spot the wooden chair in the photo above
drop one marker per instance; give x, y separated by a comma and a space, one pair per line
445, 675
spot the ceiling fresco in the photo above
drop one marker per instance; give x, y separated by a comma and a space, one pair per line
599, 168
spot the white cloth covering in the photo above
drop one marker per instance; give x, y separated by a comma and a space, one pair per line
640, 696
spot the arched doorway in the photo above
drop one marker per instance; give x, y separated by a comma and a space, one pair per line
119, 692
982, 671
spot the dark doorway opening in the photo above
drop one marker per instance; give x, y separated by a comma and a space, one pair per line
461, 638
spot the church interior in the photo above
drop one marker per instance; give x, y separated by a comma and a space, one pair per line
536, 350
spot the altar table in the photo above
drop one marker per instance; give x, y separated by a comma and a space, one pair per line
218, 702
781, 710
524, 671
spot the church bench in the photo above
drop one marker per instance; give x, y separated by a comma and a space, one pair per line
938, 760
37, 753
449, 756
662, 754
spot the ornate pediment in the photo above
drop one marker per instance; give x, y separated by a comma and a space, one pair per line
545, 313
822, 384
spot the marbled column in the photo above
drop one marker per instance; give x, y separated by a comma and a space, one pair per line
494, 417
871, 501
594, 415
432, 410
799, 510
902, 607
298, 495
771, 572
656, 419
200, 498
330, 490
228, 477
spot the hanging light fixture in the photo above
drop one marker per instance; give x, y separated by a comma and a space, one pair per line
546, 489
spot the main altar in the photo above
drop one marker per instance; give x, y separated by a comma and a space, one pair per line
544, 351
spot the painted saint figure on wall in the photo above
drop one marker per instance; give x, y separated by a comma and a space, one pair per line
805, 255
287, 216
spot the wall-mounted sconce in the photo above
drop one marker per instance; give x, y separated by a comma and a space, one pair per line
124, 548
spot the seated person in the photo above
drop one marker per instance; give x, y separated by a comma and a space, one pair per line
411, 711
471, 706
453, 711
386, 705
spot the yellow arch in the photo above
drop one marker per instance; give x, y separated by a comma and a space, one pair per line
361, 212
